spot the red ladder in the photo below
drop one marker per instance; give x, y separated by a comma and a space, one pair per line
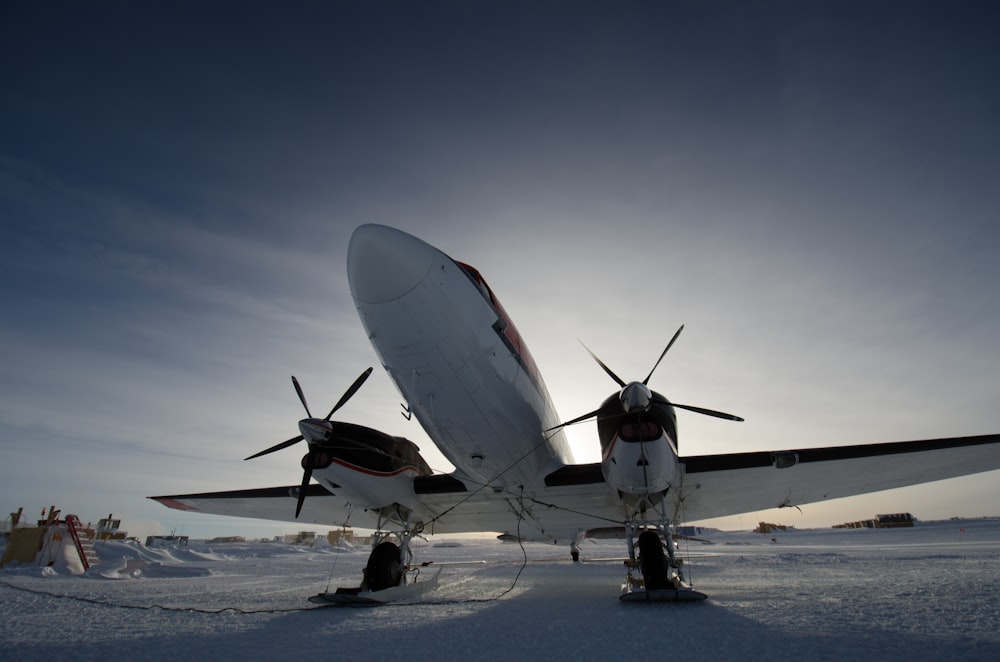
87, 555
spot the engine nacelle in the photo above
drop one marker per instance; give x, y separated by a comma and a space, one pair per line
638, 445
368, 466
640, 460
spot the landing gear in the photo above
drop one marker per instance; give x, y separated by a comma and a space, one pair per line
388, 575
389, 563
656, 573
384, 569
660, 576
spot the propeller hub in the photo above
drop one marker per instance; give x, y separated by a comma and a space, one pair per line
314, 429
636, 396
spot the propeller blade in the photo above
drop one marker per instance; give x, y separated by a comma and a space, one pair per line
302, 397
574, 421
306, 476
708, 412
350, 392
277, 447
608, 370
669, 345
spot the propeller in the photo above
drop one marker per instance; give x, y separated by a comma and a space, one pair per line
309, 461
277, 447
702, 410
302, 396
618, 379
636, 395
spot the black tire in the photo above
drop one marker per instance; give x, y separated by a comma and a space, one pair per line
384, 569
652, 562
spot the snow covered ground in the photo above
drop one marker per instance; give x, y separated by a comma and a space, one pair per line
927, 593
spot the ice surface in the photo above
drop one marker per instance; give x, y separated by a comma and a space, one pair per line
924, 593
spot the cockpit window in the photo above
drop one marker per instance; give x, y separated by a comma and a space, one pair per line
503, 326
477, 278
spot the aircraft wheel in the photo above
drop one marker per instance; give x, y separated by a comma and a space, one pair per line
384, 569
652, 561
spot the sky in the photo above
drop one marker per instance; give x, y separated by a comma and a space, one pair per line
810, 187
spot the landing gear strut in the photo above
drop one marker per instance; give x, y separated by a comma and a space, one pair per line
388, 562
660, 577
388, 575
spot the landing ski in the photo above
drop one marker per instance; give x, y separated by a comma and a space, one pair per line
395, 595
680, 594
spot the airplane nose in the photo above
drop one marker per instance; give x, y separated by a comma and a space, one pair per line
383, 263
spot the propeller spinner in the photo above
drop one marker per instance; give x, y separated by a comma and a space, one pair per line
314, 432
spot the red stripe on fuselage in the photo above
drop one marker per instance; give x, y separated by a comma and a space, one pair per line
370, 472
510, 333
611, 446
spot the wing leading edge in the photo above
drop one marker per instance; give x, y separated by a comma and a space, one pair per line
719, 485
557, 513
273, 503
576, 498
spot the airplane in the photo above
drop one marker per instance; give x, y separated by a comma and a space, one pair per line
466, 374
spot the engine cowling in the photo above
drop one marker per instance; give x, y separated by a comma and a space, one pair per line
638, 444
367, 465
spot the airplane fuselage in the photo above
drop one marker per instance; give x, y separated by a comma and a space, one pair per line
467, 375
456, 358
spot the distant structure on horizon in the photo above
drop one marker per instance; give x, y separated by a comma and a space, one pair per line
166, 541
53, 541
892, 521
768, 527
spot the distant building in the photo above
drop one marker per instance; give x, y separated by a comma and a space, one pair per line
166, 541
65, 543
892, 521
335, 537
767, 527
301, 538
109, 529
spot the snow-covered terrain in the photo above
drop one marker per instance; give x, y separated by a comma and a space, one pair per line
926, 593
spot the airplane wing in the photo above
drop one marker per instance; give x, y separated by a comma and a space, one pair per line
449, 507
576, 497
274, 503
719, 485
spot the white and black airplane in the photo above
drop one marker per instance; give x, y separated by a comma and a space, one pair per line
466, 374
